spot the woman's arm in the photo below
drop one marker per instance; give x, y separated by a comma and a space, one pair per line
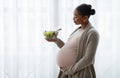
59, 43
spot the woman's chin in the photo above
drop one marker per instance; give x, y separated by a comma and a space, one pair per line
76, 24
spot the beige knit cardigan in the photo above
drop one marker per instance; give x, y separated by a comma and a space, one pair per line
87, 45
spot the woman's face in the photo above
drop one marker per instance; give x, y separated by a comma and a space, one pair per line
78, 19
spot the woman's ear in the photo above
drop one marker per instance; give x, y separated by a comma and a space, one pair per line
85, 18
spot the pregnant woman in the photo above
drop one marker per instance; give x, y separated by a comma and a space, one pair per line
76, 57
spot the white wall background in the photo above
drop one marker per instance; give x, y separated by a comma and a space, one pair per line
25, 54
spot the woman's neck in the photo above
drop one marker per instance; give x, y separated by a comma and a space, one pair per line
83, 26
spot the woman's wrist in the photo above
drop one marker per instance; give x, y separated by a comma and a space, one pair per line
59, 42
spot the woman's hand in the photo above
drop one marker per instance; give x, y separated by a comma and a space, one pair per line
57, 41
51, 39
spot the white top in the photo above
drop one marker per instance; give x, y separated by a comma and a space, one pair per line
68, 53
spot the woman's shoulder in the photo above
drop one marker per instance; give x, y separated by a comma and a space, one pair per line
93, 31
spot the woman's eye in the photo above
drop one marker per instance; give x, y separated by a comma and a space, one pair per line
75, 16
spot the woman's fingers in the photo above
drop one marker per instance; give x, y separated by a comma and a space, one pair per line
50, 39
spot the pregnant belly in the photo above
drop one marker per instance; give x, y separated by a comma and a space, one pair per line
66, 58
